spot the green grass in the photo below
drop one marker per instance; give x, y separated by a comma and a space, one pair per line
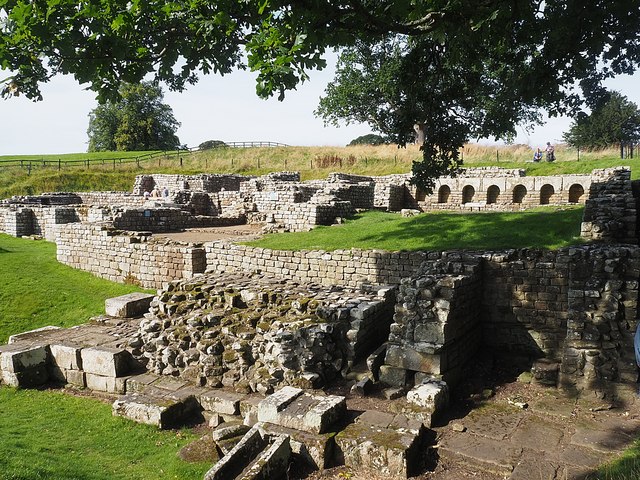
50, 435
626, 467
37, 291
439, 231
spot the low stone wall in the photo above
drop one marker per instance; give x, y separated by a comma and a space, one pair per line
126, 257
341, 267
167, 220
121, 199
36, 220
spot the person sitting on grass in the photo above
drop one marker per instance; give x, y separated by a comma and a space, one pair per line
551, 152
537, 155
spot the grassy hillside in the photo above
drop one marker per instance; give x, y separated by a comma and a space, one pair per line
311, 162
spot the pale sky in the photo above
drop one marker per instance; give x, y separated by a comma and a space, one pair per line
217, 108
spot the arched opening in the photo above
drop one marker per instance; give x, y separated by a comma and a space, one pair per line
519, 192
545, 194
575, 193
468, 193
493, 192
421, 195
443, 194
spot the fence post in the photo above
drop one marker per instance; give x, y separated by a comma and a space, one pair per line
258, 163
137, 162
114, 163
158, 161
29, 168
59, 164
578, 153
181, 161
497, 155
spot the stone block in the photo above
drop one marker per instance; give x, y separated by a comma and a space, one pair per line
159, 411
393, 376
22, 366
249, 409
239, 457
273, 461
221, 402
411, 359
128, 306
105, 361
101, 383
74, 377
270, 407
314, 450
432, 395
391, 453
31, 334
229, 430
66, 356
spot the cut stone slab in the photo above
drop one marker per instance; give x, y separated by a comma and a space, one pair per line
234, 462
315, 450
598, 436
484, 453
270, 407
302, 411
538, 434
159, 411
128, 306
272, 462
31, 334
221, 402
100, 383
539, 468
23, 366
391, 453
139, 383
432, 395
495, 423
229, 430
66, 356
104, 361
410, 359
249, 409
73, 377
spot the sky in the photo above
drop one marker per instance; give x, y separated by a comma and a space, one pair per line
217, 108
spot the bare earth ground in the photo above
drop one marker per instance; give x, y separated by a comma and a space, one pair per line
199, 235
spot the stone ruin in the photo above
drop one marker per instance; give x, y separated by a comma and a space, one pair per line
231, 324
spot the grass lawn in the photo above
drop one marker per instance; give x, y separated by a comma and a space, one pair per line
36, 290
544, 227
50, 435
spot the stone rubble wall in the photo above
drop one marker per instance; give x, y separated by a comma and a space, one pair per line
121, 199
256, 333
126, 257
610, 212
175, 183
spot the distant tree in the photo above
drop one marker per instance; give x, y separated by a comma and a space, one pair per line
138, 121
613, 121
369, 139
211, 144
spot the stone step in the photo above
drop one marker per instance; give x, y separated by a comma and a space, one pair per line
293, 408
128, 306
164, 411
257, 456
382, 442
24, 365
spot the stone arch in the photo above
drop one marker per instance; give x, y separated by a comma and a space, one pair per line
575, 193
421, 195
443, 194
519, 192
468, 192
546, 192
493, 193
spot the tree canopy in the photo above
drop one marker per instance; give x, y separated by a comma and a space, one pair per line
519, 55
138, 120
614, 121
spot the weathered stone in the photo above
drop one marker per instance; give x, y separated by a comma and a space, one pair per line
229, 430
100, 383
159, 411
219, 401
105, 361
432, 395
128, 306
23, 366
66, 356
411, 359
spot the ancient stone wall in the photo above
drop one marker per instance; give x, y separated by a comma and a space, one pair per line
175, 183
167, 220
36, 220
610, 212
126, 257
340, 267
121, 199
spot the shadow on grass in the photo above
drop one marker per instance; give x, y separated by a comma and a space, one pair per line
545, 228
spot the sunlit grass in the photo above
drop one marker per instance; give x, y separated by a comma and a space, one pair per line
544, 227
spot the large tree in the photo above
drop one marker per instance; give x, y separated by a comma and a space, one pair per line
534, 52
615, 120
137, 120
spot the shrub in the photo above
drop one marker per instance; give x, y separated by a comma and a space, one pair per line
211, 144
370, 139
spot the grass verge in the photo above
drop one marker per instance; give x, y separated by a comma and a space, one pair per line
544, 227
50, 435
37, 291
